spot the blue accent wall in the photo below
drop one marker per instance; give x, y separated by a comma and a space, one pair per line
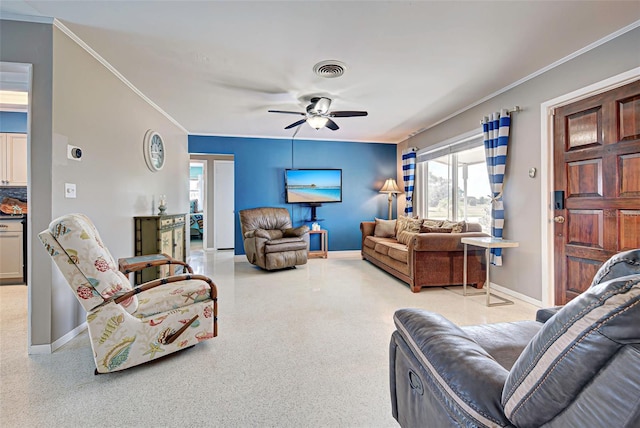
259, 180
11, 121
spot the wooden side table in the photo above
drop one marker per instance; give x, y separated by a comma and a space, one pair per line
487, 243
324, 244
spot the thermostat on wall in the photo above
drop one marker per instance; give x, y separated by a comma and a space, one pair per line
73, 152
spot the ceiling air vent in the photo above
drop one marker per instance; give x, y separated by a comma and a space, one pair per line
329, 69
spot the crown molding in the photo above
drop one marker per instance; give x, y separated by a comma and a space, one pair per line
59, 25
533, 75
27, 18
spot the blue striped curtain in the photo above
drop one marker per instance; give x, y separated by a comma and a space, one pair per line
409, 175
496, 139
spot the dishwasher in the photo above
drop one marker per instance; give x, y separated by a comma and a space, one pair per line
11, 251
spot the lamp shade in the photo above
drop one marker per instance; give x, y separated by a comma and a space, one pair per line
390, 186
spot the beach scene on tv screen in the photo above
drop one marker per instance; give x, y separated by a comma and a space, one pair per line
313, 186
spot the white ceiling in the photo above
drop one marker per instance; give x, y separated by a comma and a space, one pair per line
216, 67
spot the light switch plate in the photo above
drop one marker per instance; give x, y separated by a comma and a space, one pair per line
69, 190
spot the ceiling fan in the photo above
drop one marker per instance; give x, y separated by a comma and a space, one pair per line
318, 114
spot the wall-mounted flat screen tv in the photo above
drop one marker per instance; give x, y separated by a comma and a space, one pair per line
313, 186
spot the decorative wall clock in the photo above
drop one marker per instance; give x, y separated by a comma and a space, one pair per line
154, 150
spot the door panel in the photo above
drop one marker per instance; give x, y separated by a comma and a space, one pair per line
630, 118
166, 247
629, 229
586, 228
584, 129
582, 270
178, 247
584, 178
597, 165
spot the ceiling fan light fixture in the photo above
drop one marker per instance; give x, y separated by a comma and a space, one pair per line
317, 122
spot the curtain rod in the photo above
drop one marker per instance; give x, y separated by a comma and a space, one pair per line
515, 109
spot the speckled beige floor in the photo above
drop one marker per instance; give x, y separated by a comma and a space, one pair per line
298, 348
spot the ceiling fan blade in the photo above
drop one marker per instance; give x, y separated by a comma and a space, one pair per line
332, 125
286, 112
347, 113
294, 124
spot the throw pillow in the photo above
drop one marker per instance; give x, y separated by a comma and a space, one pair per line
427, 222
405, 236
408, 224
385, 228
425, 229
456, 227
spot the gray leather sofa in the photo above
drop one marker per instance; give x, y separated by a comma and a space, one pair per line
270, 240
580, 368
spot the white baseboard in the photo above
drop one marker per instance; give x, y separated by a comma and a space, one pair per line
519, 296
48, 349
39, 349
348, 254
67, 337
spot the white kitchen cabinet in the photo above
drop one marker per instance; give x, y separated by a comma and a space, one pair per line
13, 159
11, 260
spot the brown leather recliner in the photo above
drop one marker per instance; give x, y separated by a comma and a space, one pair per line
271, 241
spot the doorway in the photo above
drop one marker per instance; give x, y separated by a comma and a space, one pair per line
197, 203
597, 183
15, 303
547, 110
219, 184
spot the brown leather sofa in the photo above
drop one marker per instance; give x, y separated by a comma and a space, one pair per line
428, 260
270, 240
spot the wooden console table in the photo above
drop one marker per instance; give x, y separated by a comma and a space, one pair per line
487, 243
324, 244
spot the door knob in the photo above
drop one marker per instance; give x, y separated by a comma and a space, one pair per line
559, 219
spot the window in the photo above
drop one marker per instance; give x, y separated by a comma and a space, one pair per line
452, 183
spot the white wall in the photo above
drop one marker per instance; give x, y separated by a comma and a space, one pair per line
76, 100
522, 268
94, 110
31, 43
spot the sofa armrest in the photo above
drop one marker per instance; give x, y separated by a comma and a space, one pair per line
465, 379
295, 231
267, 234
367, 228
442, 241
543, 315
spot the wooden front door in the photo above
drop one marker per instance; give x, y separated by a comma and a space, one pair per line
597, 166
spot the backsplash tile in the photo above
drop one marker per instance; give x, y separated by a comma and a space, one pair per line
19, 193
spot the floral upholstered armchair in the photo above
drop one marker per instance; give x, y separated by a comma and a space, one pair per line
129, 325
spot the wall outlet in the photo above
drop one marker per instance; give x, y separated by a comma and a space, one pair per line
74, 153
69, 190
